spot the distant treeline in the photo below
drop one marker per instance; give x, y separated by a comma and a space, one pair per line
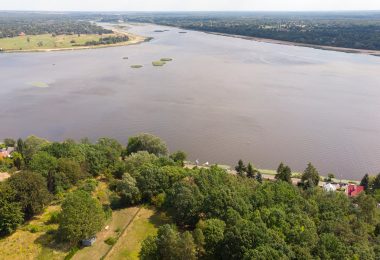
14, 24
348, 30
108, 40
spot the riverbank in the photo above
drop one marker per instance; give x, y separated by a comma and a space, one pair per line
314, 46
270, 174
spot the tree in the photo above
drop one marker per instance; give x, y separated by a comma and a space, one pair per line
81, 218
30, 191
259, 177
365, 182
179, 157
376, 182
11, 215
147, 142
20, 147
213, 231
240, 168
17, 160
330, 177
284, 173
43, 163
127, 190
186, 200
251, 171
310, 177
149, 250
32, 145
9, 142
187, 247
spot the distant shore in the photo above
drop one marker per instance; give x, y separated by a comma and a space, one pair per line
314, 46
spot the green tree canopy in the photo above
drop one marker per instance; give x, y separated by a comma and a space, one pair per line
147, 142
81, 218
30, 191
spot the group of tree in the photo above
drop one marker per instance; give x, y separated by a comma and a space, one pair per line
216, 215
13, 24
347, 30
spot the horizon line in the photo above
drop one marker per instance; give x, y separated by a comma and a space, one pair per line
194, 11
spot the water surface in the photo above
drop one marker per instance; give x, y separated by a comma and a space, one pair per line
220, 99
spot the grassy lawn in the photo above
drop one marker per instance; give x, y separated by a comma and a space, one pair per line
47, 41
146, 223
34, 240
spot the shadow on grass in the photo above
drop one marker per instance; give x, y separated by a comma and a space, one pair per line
48, 240
159, 218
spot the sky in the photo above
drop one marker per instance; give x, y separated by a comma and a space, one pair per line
186, 5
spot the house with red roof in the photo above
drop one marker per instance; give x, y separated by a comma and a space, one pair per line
354, 190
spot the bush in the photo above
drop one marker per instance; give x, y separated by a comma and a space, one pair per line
110, 241
54, 217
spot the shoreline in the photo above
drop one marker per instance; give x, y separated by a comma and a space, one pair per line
133, 40
307, 45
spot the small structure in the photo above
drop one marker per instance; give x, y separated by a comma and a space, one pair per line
354, 190
329, 187
21, 34
6, 152
89, 241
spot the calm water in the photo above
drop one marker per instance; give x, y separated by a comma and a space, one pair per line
221, 99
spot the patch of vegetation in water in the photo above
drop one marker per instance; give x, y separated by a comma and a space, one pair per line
125, 58
158, 63
136, 66
166, 59
182, 32
39, 84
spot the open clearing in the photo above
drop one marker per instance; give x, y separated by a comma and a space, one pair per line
145, 223
34, 240
47, 42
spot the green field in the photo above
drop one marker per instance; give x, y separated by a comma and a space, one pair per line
47, 41
145, 223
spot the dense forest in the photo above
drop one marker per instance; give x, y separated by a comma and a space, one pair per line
360, 30
217, 215
14, 24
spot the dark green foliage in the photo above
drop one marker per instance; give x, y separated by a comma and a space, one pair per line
376, 183
365, 182
9, 142
240, 168
81, 218
284, 173
169, 244
110, 241
179, 157
56, 24
339, 29
126, 190
310, 177
251, 171
11, 215
30, 192
147, 142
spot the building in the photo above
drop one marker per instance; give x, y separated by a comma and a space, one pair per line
354, 190
329, 187
21, 34
6, 152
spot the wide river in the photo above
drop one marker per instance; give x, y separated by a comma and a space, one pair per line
220, 99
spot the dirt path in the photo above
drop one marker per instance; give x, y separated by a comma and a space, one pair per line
120, 221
